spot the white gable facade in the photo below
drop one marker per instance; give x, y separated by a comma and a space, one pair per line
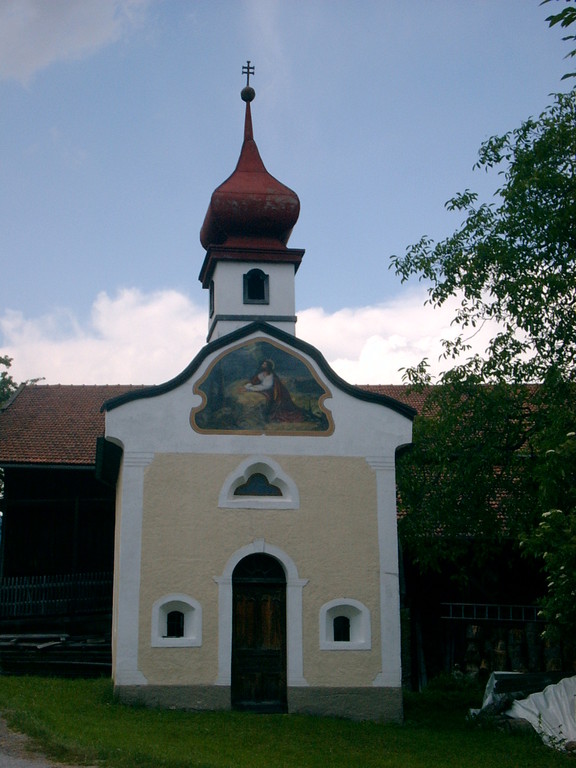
325, 512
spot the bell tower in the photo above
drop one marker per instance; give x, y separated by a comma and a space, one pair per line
248, 268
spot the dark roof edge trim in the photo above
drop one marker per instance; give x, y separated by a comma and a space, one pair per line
289, 340
44, 465
12, 397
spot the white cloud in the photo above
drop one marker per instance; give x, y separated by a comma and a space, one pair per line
137, 338
36, 33
370, 345
133, 338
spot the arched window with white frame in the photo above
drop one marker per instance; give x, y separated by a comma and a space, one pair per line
176, 622
345, 626
259, 483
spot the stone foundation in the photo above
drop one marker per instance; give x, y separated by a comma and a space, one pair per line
381, 704
190, 697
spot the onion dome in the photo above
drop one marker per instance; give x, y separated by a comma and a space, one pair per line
251, 207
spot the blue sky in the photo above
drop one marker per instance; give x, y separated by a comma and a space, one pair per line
120, 117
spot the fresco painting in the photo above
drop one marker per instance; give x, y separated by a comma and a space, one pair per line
261, 388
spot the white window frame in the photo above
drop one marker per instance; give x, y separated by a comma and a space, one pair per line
273, 472
360, 625
192, 611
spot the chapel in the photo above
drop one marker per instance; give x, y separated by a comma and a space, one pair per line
256, 552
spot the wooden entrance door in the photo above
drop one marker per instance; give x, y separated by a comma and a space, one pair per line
259, 635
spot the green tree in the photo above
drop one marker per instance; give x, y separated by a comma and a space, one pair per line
480, 445
7, 387
553, 539
512, 262
566, 17
7, 383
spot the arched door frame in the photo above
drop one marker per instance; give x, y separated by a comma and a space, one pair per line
294, 587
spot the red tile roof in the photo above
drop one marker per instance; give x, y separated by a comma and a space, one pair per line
401, 392
59, 424
54, 424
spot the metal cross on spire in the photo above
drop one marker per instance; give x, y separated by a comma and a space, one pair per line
248, 69
247, 94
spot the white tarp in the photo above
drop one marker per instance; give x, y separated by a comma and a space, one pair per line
491, 698
551, 713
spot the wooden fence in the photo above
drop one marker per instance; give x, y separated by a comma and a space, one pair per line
69, 594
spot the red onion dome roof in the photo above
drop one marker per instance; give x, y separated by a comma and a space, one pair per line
250, 204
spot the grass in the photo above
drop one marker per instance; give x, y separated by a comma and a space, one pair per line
79, 721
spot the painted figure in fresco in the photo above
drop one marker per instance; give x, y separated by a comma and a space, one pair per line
279, 404
290, 404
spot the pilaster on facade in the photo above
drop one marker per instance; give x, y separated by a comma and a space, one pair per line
138, 458
127, 577
385, 470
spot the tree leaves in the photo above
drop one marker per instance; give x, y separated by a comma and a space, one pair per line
513, 261
477, 470
553, 539
565, 18
7, 383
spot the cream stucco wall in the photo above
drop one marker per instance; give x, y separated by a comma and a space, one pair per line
187, 541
